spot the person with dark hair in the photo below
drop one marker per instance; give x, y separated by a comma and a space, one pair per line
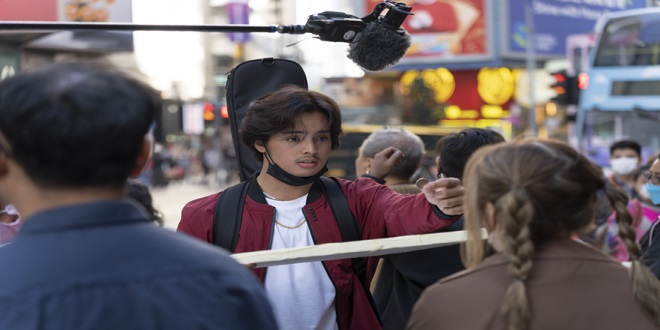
141, 194
404, 276
625, 157
86, 258
292, 131
532, 196
408, 143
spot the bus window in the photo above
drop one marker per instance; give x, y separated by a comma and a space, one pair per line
622, 98
607, 127
630, 41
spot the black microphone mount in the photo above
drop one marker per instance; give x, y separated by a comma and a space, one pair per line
396, 14
341, 27
329, 26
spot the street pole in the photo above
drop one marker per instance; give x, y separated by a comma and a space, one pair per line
531, 68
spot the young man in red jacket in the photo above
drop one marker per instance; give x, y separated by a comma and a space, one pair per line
292, 130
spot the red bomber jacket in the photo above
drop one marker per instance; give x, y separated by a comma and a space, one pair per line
379, 211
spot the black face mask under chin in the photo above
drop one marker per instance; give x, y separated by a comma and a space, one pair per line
278, 173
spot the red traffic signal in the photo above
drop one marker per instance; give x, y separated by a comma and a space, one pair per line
559, 85
567, 87
209, 111
583, 80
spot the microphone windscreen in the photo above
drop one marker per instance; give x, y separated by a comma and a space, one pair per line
377, 47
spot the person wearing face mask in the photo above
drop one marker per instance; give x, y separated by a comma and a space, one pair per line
644, 214
292, 130
625, 157
650, 242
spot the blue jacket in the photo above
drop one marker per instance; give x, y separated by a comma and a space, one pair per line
106, 266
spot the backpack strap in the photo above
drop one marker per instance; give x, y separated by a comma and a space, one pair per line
350, 231
225, 232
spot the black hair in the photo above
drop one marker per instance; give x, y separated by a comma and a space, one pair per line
454, 149
277, 111
141, 194
626, 144
76, 124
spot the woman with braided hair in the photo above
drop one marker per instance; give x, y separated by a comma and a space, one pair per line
532, 196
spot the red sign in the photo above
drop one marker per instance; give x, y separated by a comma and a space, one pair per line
465, 94
28, 10
445, 29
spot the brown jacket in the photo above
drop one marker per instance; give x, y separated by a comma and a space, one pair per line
571, 286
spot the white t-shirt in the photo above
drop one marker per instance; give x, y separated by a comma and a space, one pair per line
302, 294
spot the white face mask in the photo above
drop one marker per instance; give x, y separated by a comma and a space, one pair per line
624, 165
643, 192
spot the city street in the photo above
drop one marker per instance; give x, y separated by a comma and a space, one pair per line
171, 199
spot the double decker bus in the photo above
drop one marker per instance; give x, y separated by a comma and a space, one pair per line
622, 95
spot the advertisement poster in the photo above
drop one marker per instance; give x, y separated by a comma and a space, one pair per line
450, 30
555, 20
95, 10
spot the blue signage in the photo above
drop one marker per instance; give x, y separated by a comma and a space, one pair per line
554, 20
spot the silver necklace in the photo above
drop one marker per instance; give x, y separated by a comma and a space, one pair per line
270, 196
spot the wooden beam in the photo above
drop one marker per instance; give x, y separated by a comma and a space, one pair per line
365, 248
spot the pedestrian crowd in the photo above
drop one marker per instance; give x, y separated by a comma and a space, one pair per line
569, 246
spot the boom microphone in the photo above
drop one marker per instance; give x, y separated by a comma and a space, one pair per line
375, 42
383, 42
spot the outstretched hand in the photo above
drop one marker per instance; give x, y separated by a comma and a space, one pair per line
384, 162
447, 194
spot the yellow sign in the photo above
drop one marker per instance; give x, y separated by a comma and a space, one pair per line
495, 85
440, 80
493, 111
486, 112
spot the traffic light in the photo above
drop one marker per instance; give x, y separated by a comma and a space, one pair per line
209, 112
566, 87
224, 115
560, 86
